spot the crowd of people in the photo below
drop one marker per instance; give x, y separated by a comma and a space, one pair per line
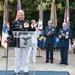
49, 32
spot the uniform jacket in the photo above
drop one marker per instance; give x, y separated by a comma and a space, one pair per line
63, 41
19, 25
49, 38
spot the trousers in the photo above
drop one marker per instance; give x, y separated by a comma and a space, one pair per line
18, 54
64, 54
49, 52
34, 49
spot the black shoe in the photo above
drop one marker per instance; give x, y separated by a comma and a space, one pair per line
61, 63
16, 73
66, 63
51, 62
25, 73
46, 61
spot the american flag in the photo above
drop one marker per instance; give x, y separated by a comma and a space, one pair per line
67, 19
18, 7
41, 11
5, 26
40, 23
66, 15
53, 16
40, 26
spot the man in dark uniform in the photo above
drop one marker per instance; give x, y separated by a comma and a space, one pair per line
20, 25
49, 33
64, 35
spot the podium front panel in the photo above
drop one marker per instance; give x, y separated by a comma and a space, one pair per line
25, 41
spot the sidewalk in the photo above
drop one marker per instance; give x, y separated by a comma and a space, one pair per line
40, 65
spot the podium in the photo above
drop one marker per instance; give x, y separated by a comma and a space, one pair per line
23, 38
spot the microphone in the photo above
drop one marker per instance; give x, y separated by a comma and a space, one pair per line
14, 28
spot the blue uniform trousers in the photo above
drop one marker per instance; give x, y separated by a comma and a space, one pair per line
64, 54
49, 52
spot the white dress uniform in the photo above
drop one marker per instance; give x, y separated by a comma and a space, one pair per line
24, 57
19, 50
34, 46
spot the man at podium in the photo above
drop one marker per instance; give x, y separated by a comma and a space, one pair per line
20, 25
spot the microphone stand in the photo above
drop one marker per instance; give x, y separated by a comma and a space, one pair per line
8, 38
